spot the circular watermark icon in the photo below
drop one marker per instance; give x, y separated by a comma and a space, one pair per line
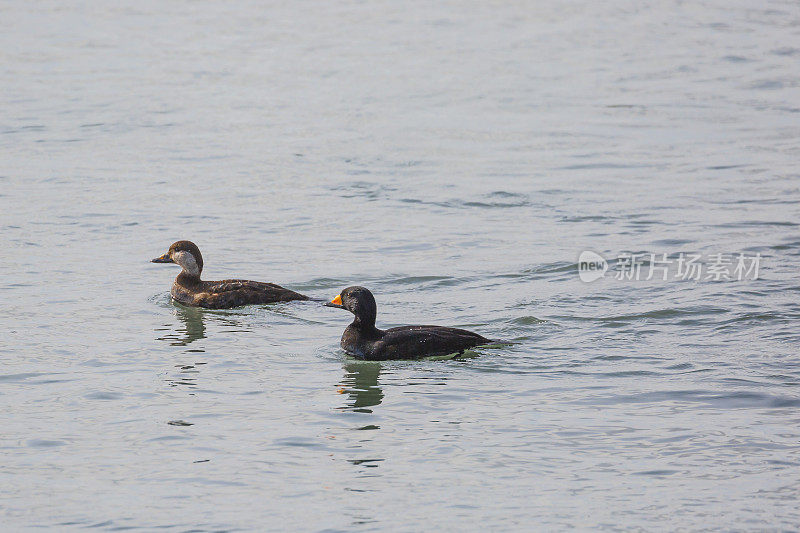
591, 266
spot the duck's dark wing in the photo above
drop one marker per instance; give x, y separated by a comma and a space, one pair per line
235, 292
413, 342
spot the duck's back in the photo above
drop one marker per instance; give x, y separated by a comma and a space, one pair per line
232, 293
414, 342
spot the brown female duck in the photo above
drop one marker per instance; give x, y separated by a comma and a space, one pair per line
188, 289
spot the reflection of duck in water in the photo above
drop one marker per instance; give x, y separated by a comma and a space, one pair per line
188, 289
361, 384
192, 327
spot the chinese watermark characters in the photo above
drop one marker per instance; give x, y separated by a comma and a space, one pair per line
664, 267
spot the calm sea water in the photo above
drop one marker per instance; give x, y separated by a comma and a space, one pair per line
456, 158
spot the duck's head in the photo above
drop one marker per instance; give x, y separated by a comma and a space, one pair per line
186, 254
359, 301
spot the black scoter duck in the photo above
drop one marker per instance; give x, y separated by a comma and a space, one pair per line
188, 289
363, 340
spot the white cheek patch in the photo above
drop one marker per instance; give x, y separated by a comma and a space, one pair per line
187, 262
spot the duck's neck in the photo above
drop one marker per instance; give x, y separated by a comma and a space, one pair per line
187, 279
365, 317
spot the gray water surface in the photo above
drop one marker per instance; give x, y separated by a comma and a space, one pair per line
456, 158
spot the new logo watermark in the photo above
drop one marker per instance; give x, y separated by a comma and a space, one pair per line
683, 266
591, 266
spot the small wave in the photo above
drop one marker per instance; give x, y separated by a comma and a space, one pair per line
786, 51
656, 313
21, 377
672, 242
758, 224
322, 284
527, 321
588, 218
755, 317
656, 473
602, 166
364, 189
496, 199
680, 366
721, 400
413, 280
